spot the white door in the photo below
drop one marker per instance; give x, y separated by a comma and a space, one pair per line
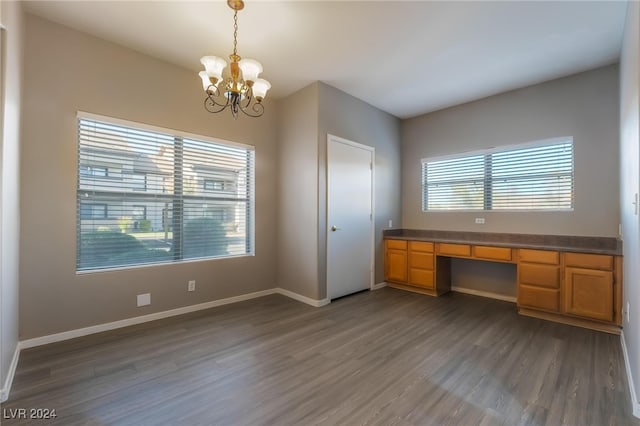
349, 217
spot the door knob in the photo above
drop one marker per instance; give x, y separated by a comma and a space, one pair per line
334, 228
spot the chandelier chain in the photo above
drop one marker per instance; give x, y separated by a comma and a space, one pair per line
235, 33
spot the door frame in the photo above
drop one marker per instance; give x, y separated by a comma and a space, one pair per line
372, 252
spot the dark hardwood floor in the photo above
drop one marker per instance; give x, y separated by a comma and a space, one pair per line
375, 358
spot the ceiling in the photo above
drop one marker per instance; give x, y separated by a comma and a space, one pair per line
406, 58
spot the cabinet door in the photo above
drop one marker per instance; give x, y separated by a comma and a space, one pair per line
396, 265
589, 293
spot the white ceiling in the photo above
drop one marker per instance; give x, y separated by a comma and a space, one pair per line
406, 58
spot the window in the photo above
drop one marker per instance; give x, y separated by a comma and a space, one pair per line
138, 182
93, 211
220, 184
213, 185
139, 212
536, 176
156, 211
94, 171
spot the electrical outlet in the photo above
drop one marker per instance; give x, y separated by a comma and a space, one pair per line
144, 299
390, 223
192, 285
480, 220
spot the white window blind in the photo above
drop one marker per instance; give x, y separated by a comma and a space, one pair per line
538, 176
142, 198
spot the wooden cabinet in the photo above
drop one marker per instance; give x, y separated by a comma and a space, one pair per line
578, 288
395, 266
539, 279
582, 289
589, 286
421, 264
411, 265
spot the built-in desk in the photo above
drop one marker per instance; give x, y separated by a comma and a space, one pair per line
575, 280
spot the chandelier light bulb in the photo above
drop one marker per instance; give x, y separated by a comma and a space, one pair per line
213, 66
250, 69
260, 88
206, 82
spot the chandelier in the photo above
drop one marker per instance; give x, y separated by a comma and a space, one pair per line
241, 90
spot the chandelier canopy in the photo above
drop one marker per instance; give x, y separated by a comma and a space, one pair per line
240, 89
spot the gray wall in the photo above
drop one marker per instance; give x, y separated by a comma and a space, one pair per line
11, 63
298, 192
350, 118
306, 118
584, 106
629, 185
488, 277
67, 71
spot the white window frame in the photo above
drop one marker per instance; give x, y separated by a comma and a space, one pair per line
493, 150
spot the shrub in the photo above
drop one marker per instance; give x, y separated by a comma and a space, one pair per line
204, 236
125, 223
144, 225
97, 247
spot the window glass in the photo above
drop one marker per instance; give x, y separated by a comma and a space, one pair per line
538, 176
150, 195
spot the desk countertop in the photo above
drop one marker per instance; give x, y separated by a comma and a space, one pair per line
580, 244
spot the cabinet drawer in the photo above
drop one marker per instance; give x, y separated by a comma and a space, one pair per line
539, 256
539, 275
589, 261
421, 278
539, 298
446, 249
397, 244
421, 246
421, 260
493, 253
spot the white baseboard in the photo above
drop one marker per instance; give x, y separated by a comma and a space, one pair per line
484, 294
632, 389
71, 334
4, 392
303, 299
379, 285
